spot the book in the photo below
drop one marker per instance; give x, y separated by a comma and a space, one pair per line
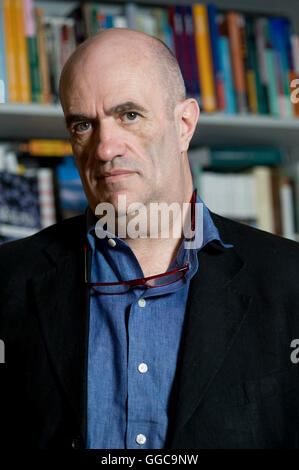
23, 76
226, 66
217, 69
32, 46
19, 206
43, 59
72, 200
235, 157
11, 59
3, 73
234, 25
204, 57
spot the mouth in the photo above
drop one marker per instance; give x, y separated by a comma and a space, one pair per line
112, 176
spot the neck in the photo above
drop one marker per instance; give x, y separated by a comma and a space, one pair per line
155, 254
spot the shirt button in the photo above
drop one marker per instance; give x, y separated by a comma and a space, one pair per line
142, 368
141, 439
111, 242
141, 303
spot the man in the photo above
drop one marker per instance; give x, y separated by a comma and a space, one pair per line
201, 362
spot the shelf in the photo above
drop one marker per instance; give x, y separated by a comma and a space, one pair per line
25, 121
222, 129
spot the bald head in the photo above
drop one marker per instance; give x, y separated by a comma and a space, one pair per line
137, 48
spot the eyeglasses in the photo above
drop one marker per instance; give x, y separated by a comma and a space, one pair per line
158, 280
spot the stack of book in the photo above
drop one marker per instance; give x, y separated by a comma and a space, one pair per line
231, 62
248, 185
39, 185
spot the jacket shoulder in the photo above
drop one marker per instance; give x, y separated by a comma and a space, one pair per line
26, 251
257, 245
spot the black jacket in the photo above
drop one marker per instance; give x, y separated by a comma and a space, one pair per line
235, 385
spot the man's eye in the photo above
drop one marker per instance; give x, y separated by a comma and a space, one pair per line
130, 116
81, 127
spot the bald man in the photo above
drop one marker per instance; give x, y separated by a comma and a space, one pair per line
148, 342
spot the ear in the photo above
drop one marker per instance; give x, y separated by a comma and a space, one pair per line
187, 114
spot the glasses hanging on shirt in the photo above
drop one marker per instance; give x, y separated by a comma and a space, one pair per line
158, 280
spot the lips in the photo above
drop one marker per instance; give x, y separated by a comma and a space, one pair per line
116, 174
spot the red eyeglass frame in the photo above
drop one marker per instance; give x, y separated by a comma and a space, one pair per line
143, 280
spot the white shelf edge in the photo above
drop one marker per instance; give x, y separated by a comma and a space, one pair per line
219, 119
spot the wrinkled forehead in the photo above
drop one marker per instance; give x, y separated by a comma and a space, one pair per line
107, 74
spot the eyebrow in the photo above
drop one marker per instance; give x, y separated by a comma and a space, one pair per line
122, 107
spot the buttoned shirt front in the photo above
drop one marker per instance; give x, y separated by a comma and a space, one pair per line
134, 342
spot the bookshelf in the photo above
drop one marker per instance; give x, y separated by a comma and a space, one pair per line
30, 121
24, 121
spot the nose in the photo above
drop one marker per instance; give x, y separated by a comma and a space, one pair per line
110, 142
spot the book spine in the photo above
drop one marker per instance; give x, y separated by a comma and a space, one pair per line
24, 85
76, 14
249, 68
275, 178
214, 36
11, 63
281, 66
258, 25
176, 23
242, 157
204, 57
287, 205
186, 52
30, 34
47, 148
225, 58
43, 61
235, 42
131, 15
4, 96
265, 213
271, 67
46, 197
189, 28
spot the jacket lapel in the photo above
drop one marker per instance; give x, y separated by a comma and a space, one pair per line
62, 305
215, 312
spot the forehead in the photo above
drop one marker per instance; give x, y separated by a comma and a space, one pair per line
106, 78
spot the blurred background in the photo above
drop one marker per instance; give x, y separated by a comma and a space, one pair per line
240, 61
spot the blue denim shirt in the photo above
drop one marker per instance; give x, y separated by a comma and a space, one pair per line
133, 348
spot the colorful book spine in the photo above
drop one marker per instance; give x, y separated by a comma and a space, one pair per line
226, 66
218, 76
235, 41
187, 53
30, 34
3, 75
189, 28
47, 148
261, 60
276, 31
11, 63
271, 67
176, 23
204, 57
23, 80
43, 60
260, 105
